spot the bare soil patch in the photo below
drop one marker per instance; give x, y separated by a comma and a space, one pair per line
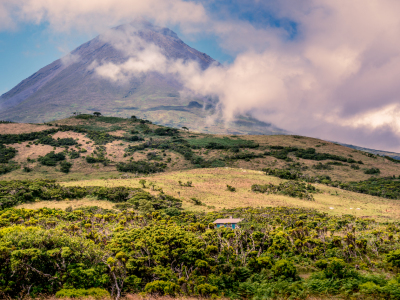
33, 151
18, 128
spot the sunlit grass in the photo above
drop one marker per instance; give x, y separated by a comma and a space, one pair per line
209, 186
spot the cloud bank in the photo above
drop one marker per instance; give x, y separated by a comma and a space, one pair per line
337, 78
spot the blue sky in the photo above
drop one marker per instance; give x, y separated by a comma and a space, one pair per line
27, 49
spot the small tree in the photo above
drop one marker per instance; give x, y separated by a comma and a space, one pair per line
185, 128
142, 182
97, 114
230, 188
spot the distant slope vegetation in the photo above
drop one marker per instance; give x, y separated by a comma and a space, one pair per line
69, 85
94, 147
374, 151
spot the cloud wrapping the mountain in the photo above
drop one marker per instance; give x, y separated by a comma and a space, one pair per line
336, 79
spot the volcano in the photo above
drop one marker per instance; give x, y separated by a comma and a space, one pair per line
70, 85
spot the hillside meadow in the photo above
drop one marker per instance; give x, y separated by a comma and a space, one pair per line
113, 208
210, 187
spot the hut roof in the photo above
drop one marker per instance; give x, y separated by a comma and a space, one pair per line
227, 221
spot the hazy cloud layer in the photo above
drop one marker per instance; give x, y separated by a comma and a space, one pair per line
97, 15
336, 79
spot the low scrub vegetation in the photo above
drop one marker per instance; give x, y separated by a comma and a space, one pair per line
167, 252
290, 188
141, 166
6, 154
16, 192
387, 187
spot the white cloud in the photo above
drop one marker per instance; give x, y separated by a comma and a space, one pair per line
338, 79
97, 15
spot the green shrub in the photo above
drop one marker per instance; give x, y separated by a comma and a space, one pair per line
51, 159
74, 154
96, 293
372, 171
290, 188
393, 258
336, 269
6, 168
6, 154
166, 131
206, 290
65, 166
230, 188
141, 166
160, 287
284, 269
172, 211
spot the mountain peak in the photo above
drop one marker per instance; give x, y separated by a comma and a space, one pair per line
70, 84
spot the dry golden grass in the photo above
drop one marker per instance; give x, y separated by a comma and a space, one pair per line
115, 151
18, 128
209, 186
32, 152
119, 133
75, 204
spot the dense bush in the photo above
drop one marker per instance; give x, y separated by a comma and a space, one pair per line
245, 156
6, 168
283, 174
6, 154
372, 171
51, 159
48, 140
281, 152
290, 188
133, 138
221, 143
141, 166
17, 192
166, 131
311, 154
23, 137
65, 166
387, 187
86, 251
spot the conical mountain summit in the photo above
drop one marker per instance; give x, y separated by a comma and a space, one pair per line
69, 85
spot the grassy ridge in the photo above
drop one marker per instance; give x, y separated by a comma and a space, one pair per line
134, 212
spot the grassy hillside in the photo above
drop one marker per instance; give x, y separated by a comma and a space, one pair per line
113, 142
107, 207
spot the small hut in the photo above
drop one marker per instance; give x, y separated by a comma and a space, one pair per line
230, 222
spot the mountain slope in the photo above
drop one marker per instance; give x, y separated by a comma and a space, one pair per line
69, 84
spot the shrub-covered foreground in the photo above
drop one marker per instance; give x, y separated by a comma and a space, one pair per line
47, 251
16, 192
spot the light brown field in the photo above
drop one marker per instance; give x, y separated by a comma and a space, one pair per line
18, 128
209, 186
32, 152
67, 203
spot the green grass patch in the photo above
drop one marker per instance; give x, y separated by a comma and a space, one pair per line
221, 143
